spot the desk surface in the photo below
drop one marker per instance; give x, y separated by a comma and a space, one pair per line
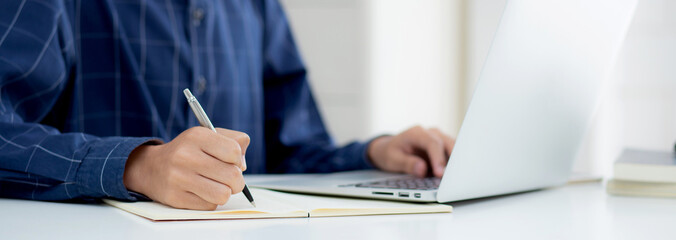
577, 211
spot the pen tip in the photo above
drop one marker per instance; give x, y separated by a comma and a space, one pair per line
253, 203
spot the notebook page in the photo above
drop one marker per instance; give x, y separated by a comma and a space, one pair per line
269, 205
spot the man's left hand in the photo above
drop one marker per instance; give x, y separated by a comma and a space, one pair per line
416, 151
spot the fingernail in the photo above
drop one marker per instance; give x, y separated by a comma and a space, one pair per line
439, 170
244, 162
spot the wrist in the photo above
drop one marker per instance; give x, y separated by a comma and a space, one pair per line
133, 171
376, 148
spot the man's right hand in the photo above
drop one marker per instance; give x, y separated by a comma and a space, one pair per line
199, 169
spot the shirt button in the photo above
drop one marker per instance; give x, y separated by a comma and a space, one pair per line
197, 16
201, 85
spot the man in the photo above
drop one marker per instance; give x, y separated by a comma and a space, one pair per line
91, 104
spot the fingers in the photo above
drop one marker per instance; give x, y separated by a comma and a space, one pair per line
449, 142
414, 151
218, 146
241, 138
220, 172
209, 190
431, 144
415, 166
210, 179
188, 200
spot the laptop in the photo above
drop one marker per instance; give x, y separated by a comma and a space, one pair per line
533, 103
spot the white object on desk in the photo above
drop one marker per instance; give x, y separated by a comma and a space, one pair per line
646, 166
579, 211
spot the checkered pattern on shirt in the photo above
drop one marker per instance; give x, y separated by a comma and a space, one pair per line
82, 83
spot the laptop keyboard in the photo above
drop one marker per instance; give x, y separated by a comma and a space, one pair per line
401, 183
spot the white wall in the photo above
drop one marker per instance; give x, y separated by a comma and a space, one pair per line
646, 76
414, 64
333, 39
380, 66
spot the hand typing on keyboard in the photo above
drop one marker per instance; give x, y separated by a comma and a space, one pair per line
416, 151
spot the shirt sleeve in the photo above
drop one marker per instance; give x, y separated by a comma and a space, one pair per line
296, 138
38, 161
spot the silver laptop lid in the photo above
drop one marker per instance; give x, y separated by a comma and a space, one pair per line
536, 96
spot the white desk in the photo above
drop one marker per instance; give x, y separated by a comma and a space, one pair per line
579, 211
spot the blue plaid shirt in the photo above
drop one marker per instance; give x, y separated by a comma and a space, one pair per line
84, 82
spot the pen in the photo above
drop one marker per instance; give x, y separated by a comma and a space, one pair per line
205, 122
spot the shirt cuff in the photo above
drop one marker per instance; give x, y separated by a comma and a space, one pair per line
101, 171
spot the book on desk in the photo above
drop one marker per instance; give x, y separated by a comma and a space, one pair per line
273, 204
644, 173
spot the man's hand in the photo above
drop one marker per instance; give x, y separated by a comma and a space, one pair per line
199, 169
413, 151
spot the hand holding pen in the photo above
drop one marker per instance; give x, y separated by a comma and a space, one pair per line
196, 170
205, 122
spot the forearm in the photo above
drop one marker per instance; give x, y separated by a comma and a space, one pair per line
322, 158
38, 162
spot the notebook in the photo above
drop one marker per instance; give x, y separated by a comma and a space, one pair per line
641, 189
272, 204
645, 166
644, 173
